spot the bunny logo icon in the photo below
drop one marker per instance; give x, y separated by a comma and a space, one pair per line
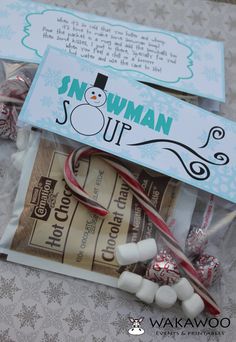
136, 326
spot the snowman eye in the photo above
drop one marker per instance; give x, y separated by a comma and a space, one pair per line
99, 95
93, 92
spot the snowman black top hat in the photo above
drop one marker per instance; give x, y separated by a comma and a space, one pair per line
100, 81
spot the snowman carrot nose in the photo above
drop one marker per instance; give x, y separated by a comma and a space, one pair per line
94, 97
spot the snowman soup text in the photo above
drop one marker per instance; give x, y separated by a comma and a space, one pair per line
95, 101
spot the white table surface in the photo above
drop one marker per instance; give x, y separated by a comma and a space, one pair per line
44, 307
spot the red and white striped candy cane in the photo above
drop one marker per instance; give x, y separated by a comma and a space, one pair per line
70, 168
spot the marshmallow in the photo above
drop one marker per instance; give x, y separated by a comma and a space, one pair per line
127, 254
147, 249
18, 159
147, 291
183, 289
193, 306
165, 297
129, 282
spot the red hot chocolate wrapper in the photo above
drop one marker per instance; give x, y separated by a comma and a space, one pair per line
163, 269
208, 269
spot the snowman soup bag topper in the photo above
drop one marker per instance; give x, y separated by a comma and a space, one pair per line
84, 211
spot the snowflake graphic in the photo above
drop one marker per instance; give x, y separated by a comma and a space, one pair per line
30, 271
52, 78
100, 12
31, 290
214, 7
8, 288
68, 338
179, 2
121, 5
210, 336
55, 292
216, 35
6, 32
6, 314
230, 308
76, 320
197, 18
24, 7
98, 339
139, 8
100, 322
141, 21
121, 324
147, 151
82, 2
159, 11
50, 337
230, 23
101, 298
145, 308
178, 27
52, 318
4, 14
122, 298
211, 74
78, 294
21, 337
46, 101
28, 316
4, 336
162, 103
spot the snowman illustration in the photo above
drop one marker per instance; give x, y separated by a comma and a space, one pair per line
136, 326
87, 119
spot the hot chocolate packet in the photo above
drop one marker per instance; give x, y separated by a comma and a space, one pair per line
50, 229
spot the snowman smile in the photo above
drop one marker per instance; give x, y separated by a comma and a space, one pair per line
92, 98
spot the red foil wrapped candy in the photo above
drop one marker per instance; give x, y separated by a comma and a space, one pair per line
12, 95
208, 269
196, 241
163, 269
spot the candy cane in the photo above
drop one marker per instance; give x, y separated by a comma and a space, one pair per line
137, 190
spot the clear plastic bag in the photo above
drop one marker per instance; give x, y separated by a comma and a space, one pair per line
15, 81
49, 229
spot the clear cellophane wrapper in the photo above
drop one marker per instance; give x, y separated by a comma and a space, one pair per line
50, 229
